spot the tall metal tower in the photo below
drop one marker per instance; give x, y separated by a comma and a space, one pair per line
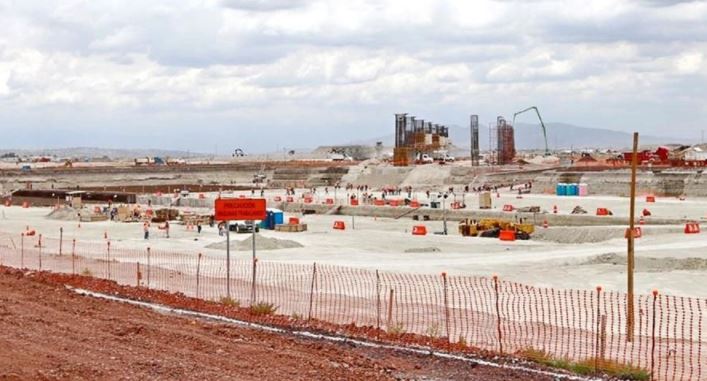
475, 153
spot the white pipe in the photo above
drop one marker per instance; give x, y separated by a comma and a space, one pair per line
417, 350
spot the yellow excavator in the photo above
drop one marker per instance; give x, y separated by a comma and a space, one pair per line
547, 150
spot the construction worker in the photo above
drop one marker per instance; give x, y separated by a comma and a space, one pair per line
166, 228
198, 227
146, 229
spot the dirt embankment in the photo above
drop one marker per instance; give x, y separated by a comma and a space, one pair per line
48, 332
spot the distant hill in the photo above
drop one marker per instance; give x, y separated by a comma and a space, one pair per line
90, 152
559, 136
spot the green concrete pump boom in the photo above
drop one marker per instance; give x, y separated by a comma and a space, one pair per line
547, 151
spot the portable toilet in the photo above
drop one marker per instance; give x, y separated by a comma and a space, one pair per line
573, 190
273, 217
583, 190
561, 189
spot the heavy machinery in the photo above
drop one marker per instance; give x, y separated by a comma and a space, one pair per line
547, 150
491, 227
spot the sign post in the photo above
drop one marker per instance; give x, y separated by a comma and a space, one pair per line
236, 209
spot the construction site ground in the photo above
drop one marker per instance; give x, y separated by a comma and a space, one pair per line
48, 332
579, 257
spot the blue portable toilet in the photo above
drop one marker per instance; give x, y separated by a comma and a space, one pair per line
561, 189
273, 217
573, 190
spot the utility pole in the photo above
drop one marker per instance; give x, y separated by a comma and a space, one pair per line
630, 315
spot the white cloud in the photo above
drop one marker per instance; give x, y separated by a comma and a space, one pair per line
689, 63
252, 62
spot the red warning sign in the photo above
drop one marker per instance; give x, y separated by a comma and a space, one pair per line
232, 209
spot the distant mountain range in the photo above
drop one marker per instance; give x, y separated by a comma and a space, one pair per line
94, 152
559, 136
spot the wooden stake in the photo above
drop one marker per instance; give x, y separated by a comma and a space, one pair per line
630, 264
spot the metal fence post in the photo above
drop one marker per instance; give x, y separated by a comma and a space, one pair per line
498, 314
446, 305
378, 303
252, 286
148, 267
73, 257
108, 256
198, 266
655, 299
602, 341
39, 244
22, 250
61, 239
311, 290
390, 308
598, 331
137, 274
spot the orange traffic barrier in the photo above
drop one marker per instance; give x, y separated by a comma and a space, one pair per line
393, 202
308, 200
25, 204
456, 205
602, 212
277, 199
637, 232
508, 208
339, 225
354, 202
692, 228
379, 202
30, 232
293, 221
290, 199
650, 198
507, 235
330, 201
414, 204
419, 230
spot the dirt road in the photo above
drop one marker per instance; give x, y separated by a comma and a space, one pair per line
48, 332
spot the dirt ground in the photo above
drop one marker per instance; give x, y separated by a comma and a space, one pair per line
48, 332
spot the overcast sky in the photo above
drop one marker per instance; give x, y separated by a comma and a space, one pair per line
263, 75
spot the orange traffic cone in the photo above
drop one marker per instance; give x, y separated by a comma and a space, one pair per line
545, 223
641, 221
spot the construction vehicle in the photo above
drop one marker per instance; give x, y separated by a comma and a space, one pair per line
491, 227
547, 150
142, 161
423, 158
661, 155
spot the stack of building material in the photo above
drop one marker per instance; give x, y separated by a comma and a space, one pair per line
291, 228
